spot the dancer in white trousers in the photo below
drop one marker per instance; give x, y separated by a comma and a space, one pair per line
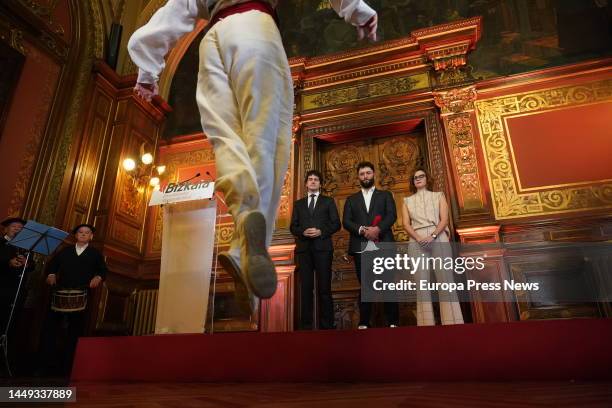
245, 98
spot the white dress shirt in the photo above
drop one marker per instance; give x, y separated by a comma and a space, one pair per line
316, 197
80, 249
149, 44
367, 196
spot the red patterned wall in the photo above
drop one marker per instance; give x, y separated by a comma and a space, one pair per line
25, 127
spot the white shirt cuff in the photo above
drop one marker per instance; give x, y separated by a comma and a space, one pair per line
146, 78
362, 14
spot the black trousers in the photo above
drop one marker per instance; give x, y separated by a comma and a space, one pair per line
7, 297
309, 263
365, 308
61, 332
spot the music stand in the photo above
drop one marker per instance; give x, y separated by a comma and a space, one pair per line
37, 238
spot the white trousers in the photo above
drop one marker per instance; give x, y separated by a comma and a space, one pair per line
450, 309
245, 97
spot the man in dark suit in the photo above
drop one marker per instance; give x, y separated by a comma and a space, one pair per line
313, 222
369, 215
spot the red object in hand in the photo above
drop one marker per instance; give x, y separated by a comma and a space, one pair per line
377, 219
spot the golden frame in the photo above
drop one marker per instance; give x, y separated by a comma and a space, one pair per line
509, 200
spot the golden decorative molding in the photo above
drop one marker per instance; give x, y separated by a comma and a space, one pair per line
58, 49
351, 94
99, 30
45, 12
187, 159
363, 119
224, 233
156, 245
296, 128
457, 106
463, 152
378, 70
449, 57
131, 203
358, 53
468, 24
435, 146
308, 149
285, 198
456, 100
12, 36
508, 201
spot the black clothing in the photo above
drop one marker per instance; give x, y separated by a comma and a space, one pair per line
356, 215
62, 329
325, 217
315, 255
365, 308
9, 281
76, 271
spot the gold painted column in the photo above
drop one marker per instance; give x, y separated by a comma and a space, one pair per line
457, 113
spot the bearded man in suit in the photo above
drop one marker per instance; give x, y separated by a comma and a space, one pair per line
369, 215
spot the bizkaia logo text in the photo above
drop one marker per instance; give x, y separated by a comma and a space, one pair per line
178, 187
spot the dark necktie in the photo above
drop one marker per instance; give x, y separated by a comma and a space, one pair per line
311, 203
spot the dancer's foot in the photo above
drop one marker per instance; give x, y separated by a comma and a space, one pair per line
256, 262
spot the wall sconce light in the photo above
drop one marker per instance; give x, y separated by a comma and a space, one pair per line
141, 173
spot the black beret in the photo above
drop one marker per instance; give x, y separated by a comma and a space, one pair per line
91, 227
11, 220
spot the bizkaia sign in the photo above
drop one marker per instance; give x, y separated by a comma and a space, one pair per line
180, 187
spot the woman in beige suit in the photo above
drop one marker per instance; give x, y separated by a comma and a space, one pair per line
425, 219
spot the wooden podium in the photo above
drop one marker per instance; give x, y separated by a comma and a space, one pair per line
186, 257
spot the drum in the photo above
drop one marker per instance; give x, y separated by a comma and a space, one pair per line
69, 300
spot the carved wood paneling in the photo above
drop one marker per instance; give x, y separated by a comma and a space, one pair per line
93, 152
276, 313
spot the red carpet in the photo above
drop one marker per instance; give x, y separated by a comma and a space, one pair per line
577, 349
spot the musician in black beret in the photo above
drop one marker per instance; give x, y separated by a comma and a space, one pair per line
78, 267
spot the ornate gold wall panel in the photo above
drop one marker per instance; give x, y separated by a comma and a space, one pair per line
457, 107
386, 87
464, 157
508, 201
